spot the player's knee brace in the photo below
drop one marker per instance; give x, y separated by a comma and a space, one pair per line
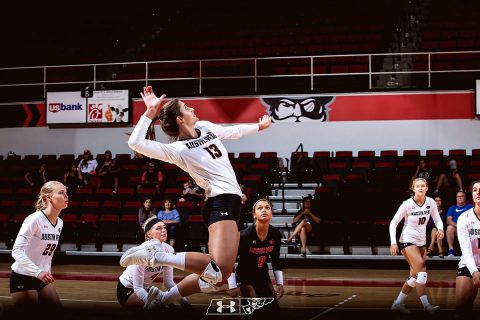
212, 273
422, 278
411, 281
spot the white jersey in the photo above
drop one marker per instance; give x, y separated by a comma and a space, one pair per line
468, 232
35, 244
415, 225
139, 278
204, 158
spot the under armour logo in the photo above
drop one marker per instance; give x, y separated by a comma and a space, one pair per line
224, 306
229, 307
224, 213
20, 287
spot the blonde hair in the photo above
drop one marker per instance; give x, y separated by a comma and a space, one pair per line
418, 179
47, 189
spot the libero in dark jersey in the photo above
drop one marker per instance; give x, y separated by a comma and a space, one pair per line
259, 244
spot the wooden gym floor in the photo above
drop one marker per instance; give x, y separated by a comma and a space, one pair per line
89, 292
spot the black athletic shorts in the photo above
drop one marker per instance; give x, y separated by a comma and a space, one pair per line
123, 293
403, 245
20, 282
222, 207
463, 271
254, 278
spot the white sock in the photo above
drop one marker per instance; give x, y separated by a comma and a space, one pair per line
401, 298
176, 260
424, 300
171, 295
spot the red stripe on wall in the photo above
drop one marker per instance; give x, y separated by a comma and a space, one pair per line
224, 110
403, 107
42, 121
28, 117
367, 107
421, 106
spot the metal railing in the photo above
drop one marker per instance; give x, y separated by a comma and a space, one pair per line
250, 74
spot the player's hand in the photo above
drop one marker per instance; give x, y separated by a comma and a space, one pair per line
264, 122
46, 277
279, 291
151, 101
476, 279
394, 249
234, 292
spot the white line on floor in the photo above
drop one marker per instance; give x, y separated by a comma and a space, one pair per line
334, 307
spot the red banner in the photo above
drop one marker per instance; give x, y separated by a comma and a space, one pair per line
366, 107
405, 106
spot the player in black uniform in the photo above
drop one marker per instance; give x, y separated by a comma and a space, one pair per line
259, 244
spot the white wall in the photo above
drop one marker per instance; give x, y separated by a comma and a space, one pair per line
282, 138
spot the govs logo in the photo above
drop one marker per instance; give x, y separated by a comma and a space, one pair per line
299, 109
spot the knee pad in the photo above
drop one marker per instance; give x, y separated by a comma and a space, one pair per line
411, 281
206, 286
422, 278
212, 273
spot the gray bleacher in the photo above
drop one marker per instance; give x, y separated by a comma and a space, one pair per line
291, 194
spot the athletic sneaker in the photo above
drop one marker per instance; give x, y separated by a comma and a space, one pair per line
431, 309
143, 254
451, 252
154, 299
400, 308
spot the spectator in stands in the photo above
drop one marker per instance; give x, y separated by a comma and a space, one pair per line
152, 177
259, 244
468, 275
170, 216
109, 172
36, 178
198, 150
31, 280
453, 213
192, 192
135, 284
451, 178
303, 223
412, 243
432, 230
426, 173
146, 211
72, 179
87, 166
